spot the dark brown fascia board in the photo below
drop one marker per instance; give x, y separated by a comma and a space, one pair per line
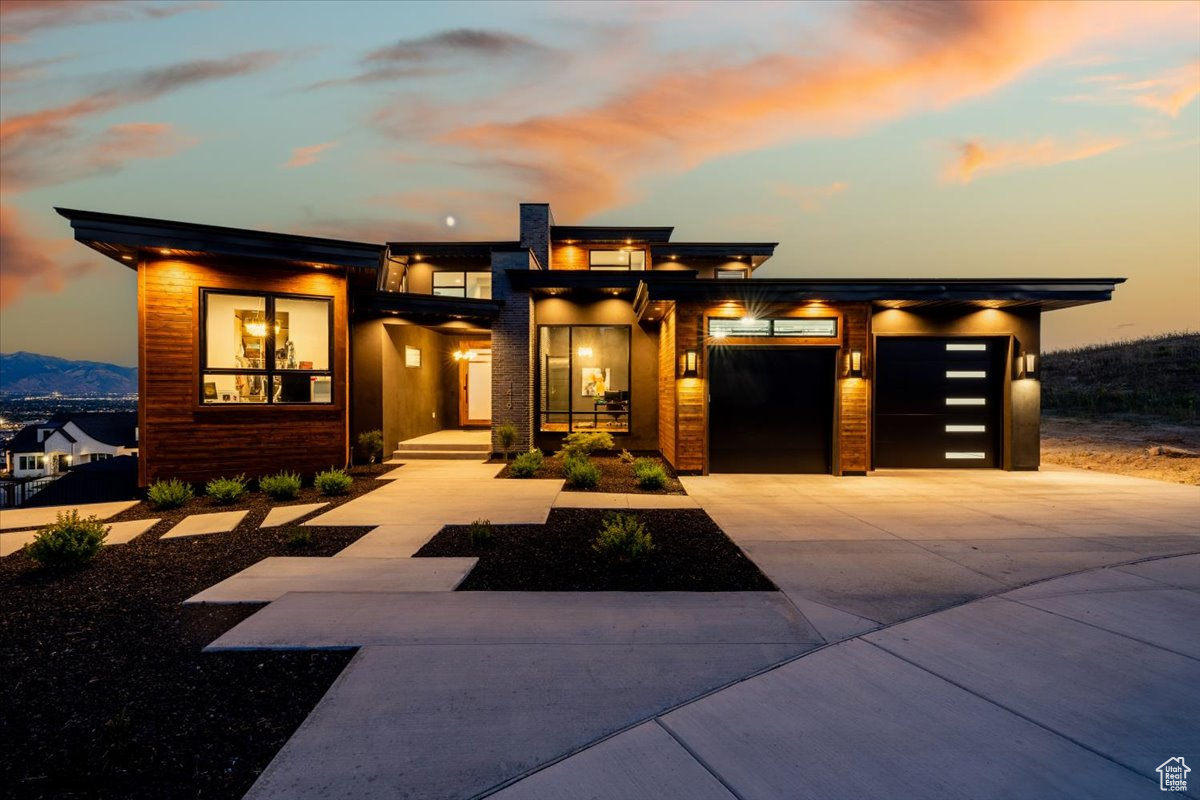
588, 280
431, 307
449, 249
1052, 292
123, 232
755, 253
610, 233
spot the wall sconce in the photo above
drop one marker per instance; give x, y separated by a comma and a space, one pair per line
689, 363
1027, 366
461, 355
854, 364
584, 352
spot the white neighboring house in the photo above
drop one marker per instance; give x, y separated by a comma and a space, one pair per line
68, 440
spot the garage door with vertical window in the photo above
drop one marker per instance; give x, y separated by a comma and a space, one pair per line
939, 402
770, 409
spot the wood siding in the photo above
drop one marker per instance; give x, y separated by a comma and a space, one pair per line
691, 448
575, 256
180, 437
666, 387
853, 441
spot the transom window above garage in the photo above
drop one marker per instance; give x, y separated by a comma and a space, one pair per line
792, 327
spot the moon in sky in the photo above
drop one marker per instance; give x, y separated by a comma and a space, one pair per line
450, 222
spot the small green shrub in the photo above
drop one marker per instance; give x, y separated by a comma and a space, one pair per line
480, 533
371, 443
226, 490
649, 473
623, 537
526, 465
580, 472
626, 457
299, 537
584, 443
332, 481
507, 433
169, 494
68, 542
281, 486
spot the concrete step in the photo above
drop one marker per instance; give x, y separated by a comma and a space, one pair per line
482, 447
456, 455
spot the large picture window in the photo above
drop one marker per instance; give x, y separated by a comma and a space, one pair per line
617, 259
583, 378
474, 285
265, 349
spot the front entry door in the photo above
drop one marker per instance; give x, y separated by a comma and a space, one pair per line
477, 389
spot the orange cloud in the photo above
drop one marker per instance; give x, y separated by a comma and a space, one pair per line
29, 261
906, 57
811, 198
975, 157
306, 156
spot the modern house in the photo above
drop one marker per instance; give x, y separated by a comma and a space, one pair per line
261, 351
69, 440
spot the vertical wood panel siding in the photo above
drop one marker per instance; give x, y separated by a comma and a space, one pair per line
691, 438
179, 437
666, 387
854, 395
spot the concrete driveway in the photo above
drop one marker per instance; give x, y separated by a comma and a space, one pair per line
857, 553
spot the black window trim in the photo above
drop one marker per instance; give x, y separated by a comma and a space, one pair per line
270, 370
617, 267
433, 287
771, 334
571, 378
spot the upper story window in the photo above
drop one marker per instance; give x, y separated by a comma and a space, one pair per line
473, 285
753, 328
617, 259
731, 274
265, 348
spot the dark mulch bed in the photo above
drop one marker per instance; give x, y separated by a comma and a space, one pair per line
258, 504
105, 692
691, 554
615, 475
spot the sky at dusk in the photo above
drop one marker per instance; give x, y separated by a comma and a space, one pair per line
915, 140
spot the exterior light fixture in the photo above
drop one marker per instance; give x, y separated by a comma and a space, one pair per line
718, 334
127, 257
165, 251
689, 362
584, 352
854, 364
1027, 366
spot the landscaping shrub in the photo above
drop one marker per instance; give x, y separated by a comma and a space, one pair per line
649, 473
584, 444
332, 481
480, 532
68, 542
299, 537
507, 433
371, 443
169, 494
623, 537
626, 457
281, 486
226, 490
580, 472
527, 464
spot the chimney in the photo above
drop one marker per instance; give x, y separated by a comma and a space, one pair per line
536, 220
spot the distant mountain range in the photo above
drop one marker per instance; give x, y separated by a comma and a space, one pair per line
32, 374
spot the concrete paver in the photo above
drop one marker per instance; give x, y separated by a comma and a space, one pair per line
204, 524
14, 518
640, 763
390, 541
854, 721
119, 533
316, 619
282, 515
272, 578
450, 721
12, 541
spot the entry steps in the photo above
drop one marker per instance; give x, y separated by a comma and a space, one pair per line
458, 451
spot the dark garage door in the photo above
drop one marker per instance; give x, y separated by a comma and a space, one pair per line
939, 402
770, 409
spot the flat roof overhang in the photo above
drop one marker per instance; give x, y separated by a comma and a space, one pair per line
447, 249
430, 309
1043, 293
566, 281
120, 237
623, 234
752, 253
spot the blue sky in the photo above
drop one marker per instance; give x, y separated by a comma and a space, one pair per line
893, 140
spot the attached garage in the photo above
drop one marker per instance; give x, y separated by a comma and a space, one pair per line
939, 402
771, 409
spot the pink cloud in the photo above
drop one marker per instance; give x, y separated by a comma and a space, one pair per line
306, 156
904, 58
23, 17
1169, 92
978, 158
29, 261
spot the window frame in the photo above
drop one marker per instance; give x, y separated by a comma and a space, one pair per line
433, 287
617, 267
270, 371
731, 274
770, 334
571, 384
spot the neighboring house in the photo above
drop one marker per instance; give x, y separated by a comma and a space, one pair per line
265, 351
67, 440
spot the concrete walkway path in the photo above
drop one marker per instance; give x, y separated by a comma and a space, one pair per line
1046, 691
14, 518
857, 553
